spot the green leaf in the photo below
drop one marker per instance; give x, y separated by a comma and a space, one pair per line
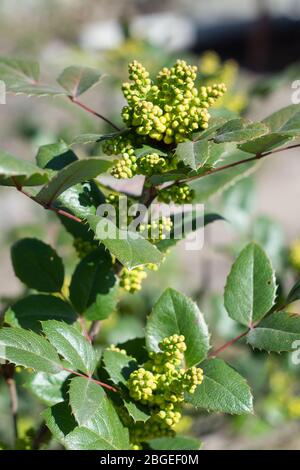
93, 138
277, 332
136, 411
83, 438
222, 390
118, 366
29, 312
130, 248
48, 387
100, 427
174, 313
71, 345
284, 125
285, 120
208, 185
15, 172
239, 130
60, 420
81, 200
251, 287
175, 443
55, 156
199, 153
104, 305
76, 172
294, 293
28, 349
22, 77
266, 143
37, 265
86, 398
146, 149
77, 79
92, 281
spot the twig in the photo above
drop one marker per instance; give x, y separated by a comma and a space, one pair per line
95, 113
8, 371
258, 156
104, 385
229, 343
41, 436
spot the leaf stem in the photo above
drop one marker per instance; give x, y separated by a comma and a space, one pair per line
8, 371
92, 111
228, 344
109, 387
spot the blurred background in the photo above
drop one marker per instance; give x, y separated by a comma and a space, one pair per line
252, 45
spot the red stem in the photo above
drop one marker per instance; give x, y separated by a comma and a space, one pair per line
229, 343
91, 111
109, 387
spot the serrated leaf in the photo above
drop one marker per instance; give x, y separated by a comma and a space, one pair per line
55, 156
71, 345
83, 438
222, 390
118, 366
37, 265
284, 125
251, 287
294, 293
99, 425
199, 153
28, 349
15, 172
29, 312
77, 79
76, 172
93, 138
59, 420
48, 387
239, 130
266, 143
85, 399
285, 120
92, 281
22, 77
209, 185
174, 313
146, 149
81, 200
130, 248
175, 443
136, 411
277, 332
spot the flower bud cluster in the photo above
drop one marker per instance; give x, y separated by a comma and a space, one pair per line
131, 280
170, 109
157, 229
160, 384
179, 194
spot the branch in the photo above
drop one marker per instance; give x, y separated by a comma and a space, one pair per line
104, 385
91, 111
258, 156
8, 371
228, 344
